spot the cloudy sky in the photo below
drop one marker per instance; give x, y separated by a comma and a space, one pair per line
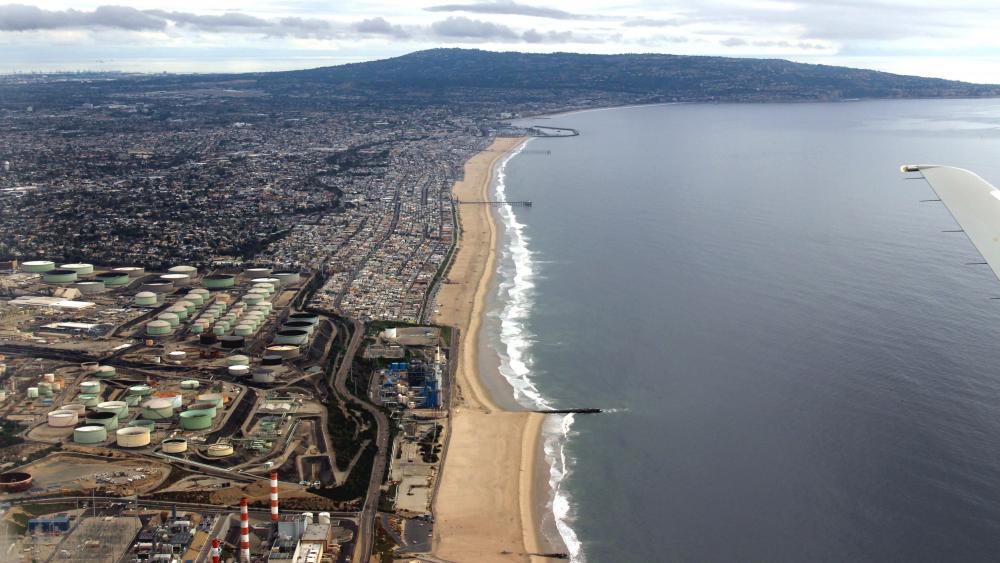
947, 38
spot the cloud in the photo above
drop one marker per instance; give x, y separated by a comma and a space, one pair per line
379, 26
458, 27
20, 17
509, 8
647, 22
733, 42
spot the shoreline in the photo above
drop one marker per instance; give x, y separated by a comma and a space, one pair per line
489, 506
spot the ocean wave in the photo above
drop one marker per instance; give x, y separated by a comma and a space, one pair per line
516, 291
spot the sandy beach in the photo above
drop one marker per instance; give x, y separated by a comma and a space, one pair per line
487, 508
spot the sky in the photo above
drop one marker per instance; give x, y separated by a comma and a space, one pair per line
953, 39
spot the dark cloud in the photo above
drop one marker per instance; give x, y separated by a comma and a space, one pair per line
228, 21
19, 17
379, 26
509, 8
533, 36
733, 42
458, 27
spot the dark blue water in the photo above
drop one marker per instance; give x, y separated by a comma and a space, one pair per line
805, 369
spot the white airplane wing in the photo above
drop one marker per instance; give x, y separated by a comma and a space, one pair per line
972, 201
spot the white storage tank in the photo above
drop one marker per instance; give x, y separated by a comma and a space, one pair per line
133, 437
63, 418
174, 445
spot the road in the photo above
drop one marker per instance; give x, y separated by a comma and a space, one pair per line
366, 520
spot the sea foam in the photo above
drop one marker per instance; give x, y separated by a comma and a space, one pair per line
516, 295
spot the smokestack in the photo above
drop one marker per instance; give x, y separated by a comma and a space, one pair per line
216, 550
274, 496
244, 531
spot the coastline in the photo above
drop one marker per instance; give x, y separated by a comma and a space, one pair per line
493, 482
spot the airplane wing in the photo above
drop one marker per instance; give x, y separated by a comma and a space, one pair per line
972, 201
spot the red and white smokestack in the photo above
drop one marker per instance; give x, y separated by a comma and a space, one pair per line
274, 496
216, 550
244, 530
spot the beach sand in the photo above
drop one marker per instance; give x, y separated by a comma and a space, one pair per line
487, 508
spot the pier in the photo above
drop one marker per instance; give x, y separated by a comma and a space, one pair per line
570, 411
497, 203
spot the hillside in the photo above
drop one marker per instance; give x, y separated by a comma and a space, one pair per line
667, 76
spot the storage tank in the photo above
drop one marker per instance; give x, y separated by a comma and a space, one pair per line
263, 375
218, 281
90, 387
285, 351
158, 287
270, 360
146, 299
93, 434
106, 419
106, 372
32, 392
299, 325
120, 408
324, 517
195, 299
180, 312
176, 279
131, 271
80, 269
44, 389
177, 356
140, 390
89, 287
219, 450
197, 329
170, 318
89, 367
239, 371
142, 423
63, 418
158, 327
216, 399
174, 445
291, 336
78, 408
15, 481
174, 397
305, 317
157, 409
188, 306
266, 287
238, 360
113, 278
59, 275
195, 420
286, 277
207, 409
89, 400
133, 437
252, 298
232, 342
252, 273
183, 269
190, 384
244, 330
37, 266
307, 517
219, 330
208, 339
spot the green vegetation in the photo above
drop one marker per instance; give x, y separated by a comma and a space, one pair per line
9, 431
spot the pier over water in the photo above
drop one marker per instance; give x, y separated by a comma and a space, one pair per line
497, 203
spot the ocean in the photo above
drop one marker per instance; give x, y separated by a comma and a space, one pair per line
798, 363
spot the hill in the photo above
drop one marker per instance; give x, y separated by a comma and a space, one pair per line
667, 77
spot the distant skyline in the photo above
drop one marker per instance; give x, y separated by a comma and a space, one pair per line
954, 40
